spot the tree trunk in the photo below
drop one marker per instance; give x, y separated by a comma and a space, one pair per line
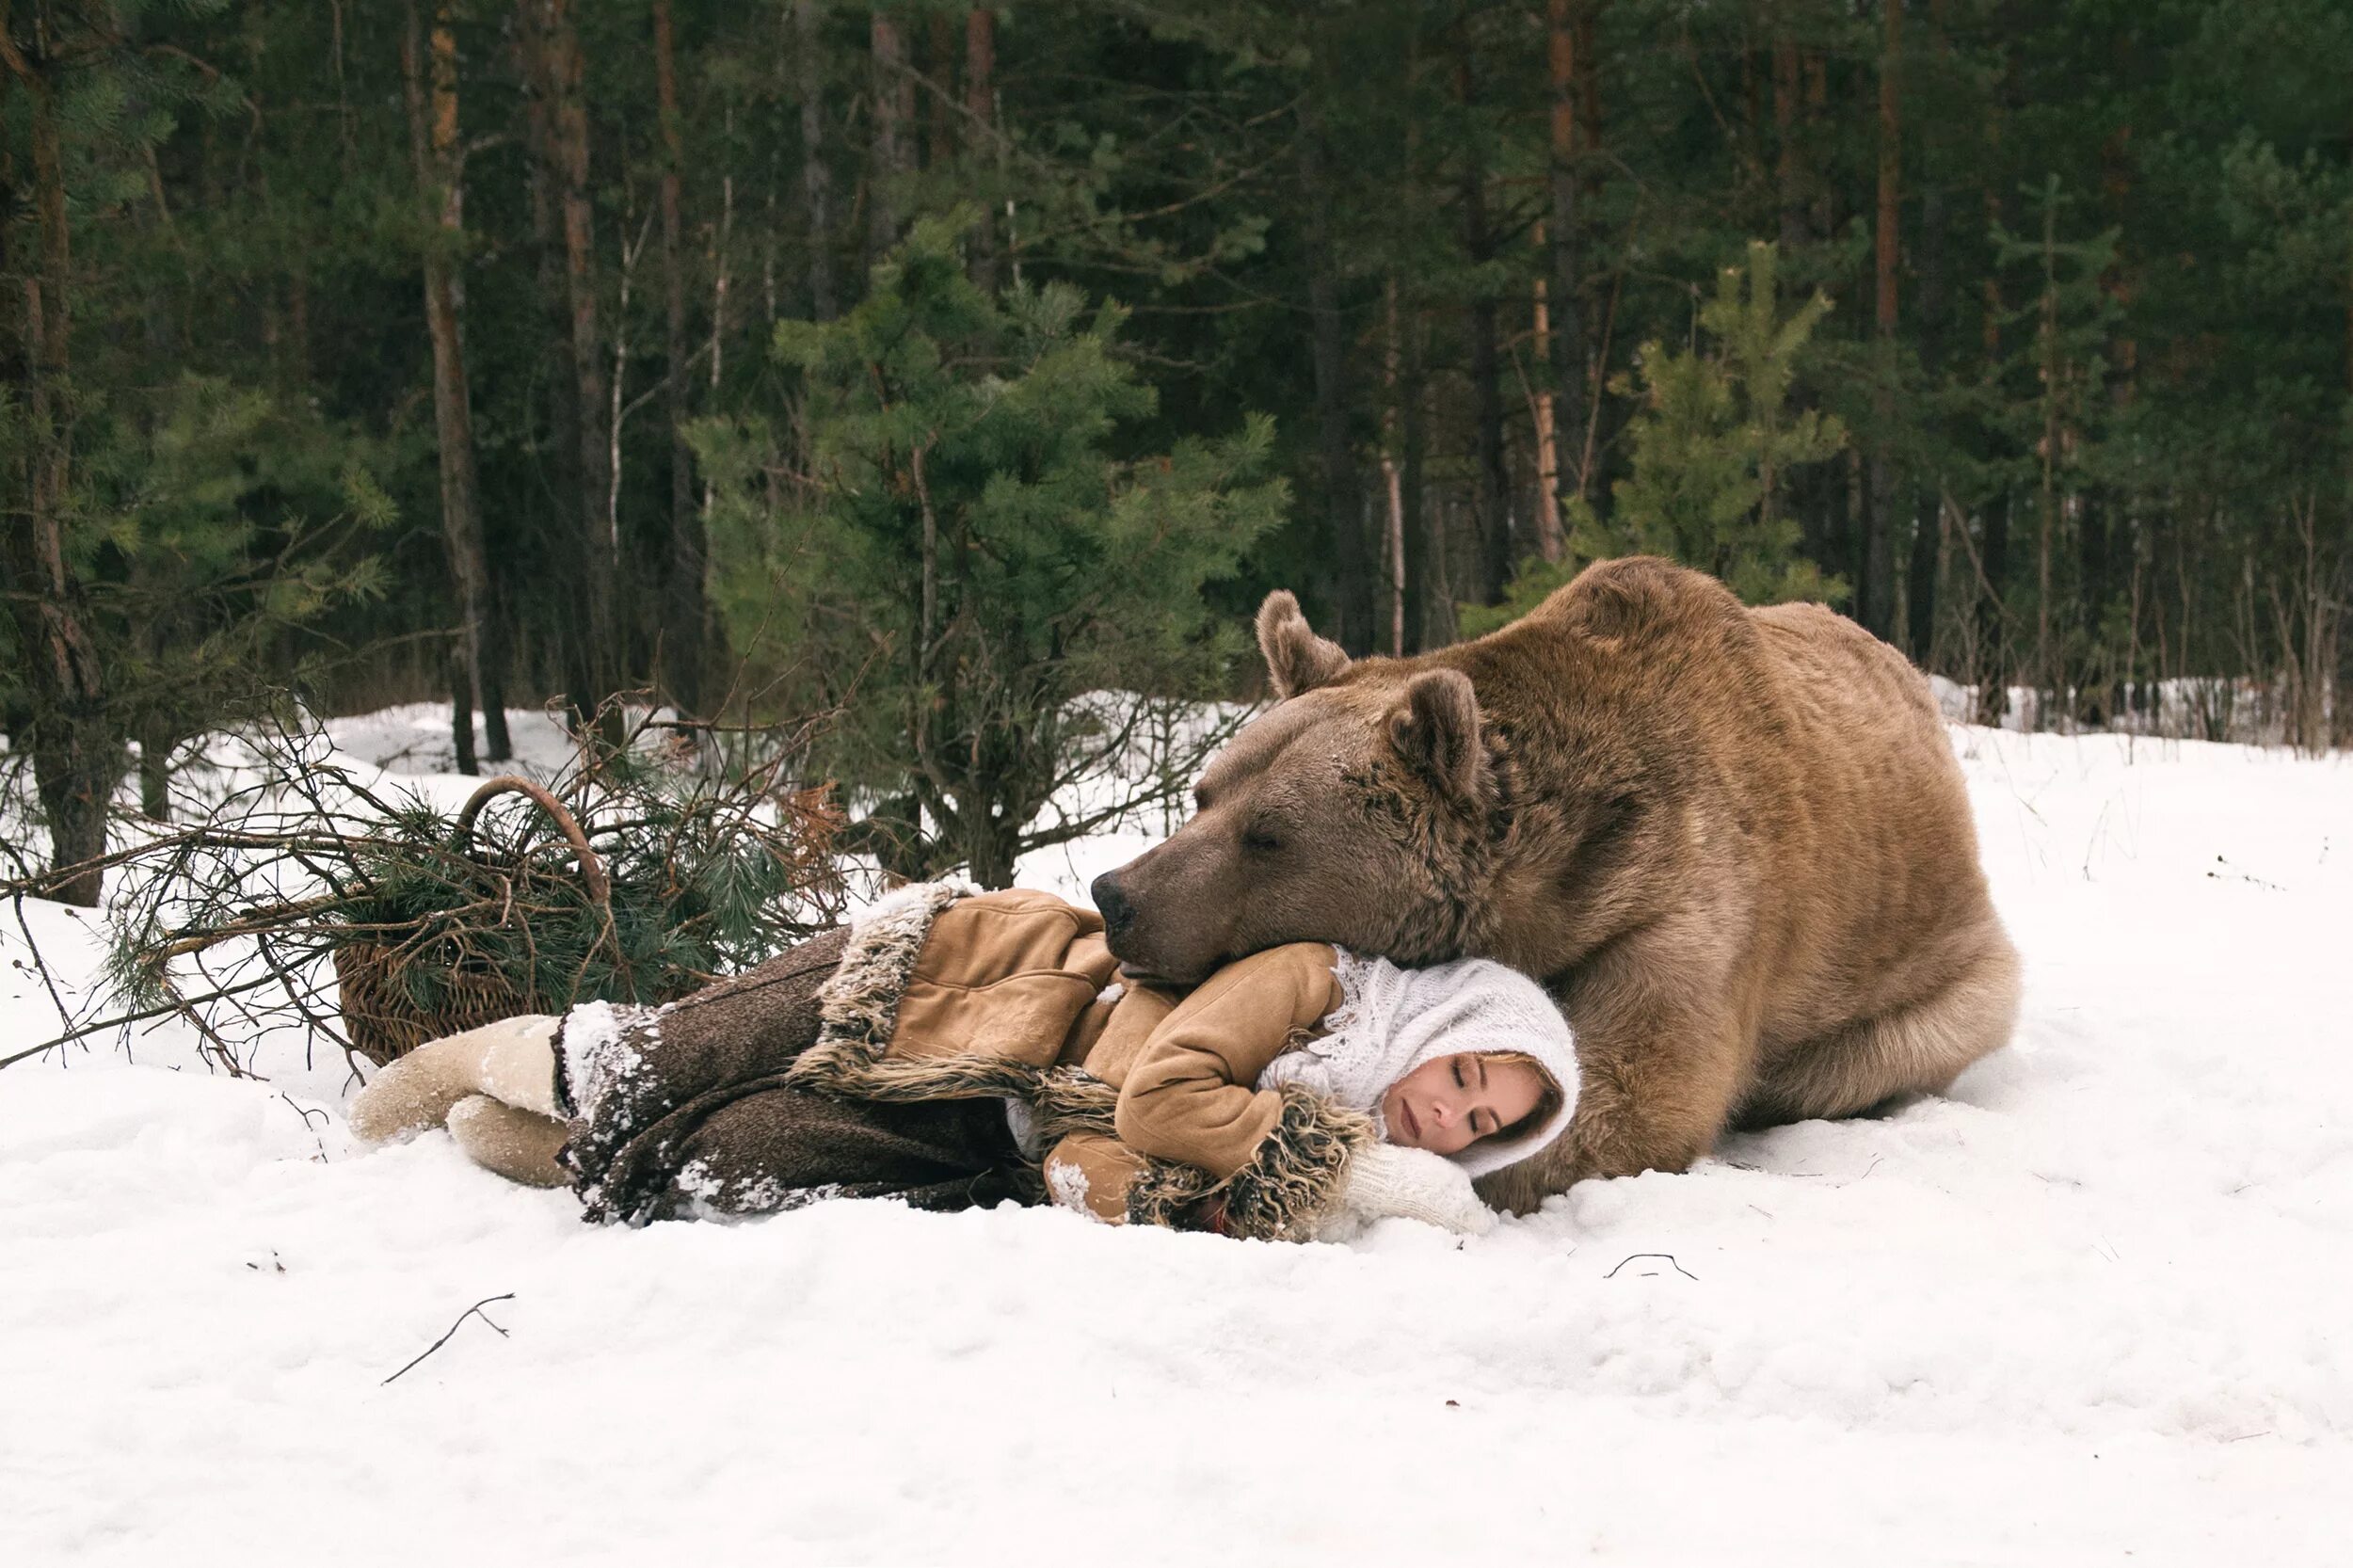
1788, 170
569, 124
76, 756
993, 844
721, 275
155, 771
2341, 680
1994, 621
1930, 544
2341, 729
1428, 603
939, 66
1560, 299
979, 111
1353, 564
1494, 514
816, 178
1393, 483
459, 680
1877, 594
562, 386
1825, 203
1991, 608
1550, 543
2046, 494
1492, 505
559, 67
2095, 531
889, 162
1931, 322
771, 233
683, 612
1589, 88
435, 147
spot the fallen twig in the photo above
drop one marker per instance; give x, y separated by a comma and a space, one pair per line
473, 1311
2232, 873
1864, 1172
1668, 1257
306, 1114
41, 966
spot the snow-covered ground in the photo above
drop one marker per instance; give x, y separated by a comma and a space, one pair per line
2093, 1307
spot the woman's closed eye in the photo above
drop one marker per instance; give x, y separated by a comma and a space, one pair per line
1462, 1081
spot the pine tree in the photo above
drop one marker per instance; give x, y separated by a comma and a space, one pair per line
167, 529
967, 556
2058, 414
1429, 239
1712, 451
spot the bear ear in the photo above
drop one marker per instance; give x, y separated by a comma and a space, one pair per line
1614, 601
1296, 659
1435, 729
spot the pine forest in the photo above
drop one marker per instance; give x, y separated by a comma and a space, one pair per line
935, 368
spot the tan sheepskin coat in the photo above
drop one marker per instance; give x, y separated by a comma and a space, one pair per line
1144, 1104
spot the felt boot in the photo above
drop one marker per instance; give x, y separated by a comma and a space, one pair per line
520, 1145
512, 1061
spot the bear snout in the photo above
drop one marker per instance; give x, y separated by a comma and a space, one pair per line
1112, 905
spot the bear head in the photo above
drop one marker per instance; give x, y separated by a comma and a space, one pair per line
1356, 810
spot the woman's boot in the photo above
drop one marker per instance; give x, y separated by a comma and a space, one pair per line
520, 1145
512, 1061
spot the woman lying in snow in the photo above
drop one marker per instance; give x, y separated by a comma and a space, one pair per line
953, 1048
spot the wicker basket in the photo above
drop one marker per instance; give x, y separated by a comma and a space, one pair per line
380, 1020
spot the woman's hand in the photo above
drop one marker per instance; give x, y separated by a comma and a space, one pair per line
1386, 1181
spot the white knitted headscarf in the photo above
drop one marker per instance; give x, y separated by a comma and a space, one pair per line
1391, 1020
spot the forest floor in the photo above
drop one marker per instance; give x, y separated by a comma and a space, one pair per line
2089, 1308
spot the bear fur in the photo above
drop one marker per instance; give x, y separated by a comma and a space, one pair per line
1734, 842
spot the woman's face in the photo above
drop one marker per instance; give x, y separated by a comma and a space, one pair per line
1450, 1102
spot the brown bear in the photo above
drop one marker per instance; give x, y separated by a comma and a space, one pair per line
1733, 841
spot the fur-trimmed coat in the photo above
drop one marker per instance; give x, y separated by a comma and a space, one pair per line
1144, 1105
882, 1058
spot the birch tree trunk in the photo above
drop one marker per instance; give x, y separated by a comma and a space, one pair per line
1550, 544
1392, 421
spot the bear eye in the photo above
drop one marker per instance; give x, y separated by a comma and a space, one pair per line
1259, 842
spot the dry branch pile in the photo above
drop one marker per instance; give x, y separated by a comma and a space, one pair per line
307, 899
